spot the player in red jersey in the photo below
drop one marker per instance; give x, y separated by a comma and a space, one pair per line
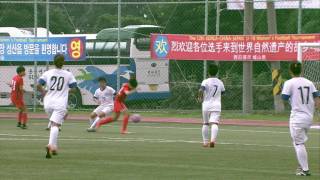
120, 107
17, 97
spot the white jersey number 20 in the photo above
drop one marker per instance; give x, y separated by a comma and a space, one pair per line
56, 83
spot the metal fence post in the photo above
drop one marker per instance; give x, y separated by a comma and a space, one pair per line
218, 9
205, 33
247, 94
272, 29
35, 62
217, 22
118, 50
300, 17
47, 26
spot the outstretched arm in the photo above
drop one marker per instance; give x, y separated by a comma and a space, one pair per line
73, 84
41, 89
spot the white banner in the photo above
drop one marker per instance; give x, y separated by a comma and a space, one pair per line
153, 78
279, 4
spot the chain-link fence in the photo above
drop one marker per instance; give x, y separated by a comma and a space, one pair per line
87, 17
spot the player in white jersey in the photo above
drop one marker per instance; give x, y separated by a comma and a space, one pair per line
302, 96
210, 96
58, 83
104, 97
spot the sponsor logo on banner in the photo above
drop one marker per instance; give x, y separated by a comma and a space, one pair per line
281, 47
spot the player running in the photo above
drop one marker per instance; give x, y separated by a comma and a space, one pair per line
302, 96
104, 97
17, 97
210, 95
120, 107
58, 83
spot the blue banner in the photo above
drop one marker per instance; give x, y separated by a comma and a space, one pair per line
42, 49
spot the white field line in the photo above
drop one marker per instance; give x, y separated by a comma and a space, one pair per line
231, 130
205, 168
222, 129
110, 139
314, 128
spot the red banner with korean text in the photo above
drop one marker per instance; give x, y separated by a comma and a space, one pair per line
279, 47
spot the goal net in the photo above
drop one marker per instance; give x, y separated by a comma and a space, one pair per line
309, 56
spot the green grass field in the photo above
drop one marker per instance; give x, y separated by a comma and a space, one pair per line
151, 151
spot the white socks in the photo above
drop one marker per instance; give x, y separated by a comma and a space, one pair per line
205, 134
214, 132
49, 124
302, 156
53, 139
90, 121
93, 125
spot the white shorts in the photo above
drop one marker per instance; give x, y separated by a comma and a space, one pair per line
299, 132
211, 117
103, 109
56, 115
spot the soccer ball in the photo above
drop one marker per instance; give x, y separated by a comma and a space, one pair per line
135, 118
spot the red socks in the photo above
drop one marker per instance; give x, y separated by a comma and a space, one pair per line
110, 119
125, 123
104, 121
20, 117
24, 118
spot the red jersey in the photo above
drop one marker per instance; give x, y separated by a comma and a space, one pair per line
122, 94
16, 83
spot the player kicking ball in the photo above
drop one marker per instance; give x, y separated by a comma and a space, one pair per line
302, 95
58, 83
120, 107
17, 97
210, 95
104, 97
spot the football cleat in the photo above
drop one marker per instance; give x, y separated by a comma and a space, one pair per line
19, 124
303, 173
91, 130
299, 169
23, 126
205, 145
212, 144
124, 132
48, 155
50, 151
54, 152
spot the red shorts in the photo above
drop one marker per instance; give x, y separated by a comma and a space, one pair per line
17, 102
119, 106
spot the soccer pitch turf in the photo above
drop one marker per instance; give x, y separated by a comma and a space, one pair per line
151, 151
